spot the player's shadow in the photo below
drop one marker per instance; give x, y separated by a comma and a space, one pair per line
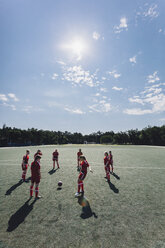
115, 175
113, 187
9, 191
86, 209
19, 216
52, 171
12, 188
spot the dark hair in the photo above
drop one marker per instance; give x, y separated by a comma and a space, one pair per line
37, 157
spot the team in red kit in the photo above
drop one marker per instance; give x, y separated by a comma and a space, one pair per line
82, 165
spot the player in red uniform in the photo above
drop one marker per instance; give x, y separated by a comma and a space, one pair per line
83, 172
35, 176
55, 158
38, 153
107, 166
78, 159
111, 160
25, 165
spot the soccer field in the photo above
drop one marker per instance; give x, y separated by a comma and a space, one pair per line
127, 213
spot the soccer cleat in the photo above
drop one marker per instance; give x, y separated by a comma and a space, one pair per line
38, 197
77, 194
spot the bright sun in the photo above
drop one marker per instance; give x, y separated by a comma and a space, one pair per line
76, 48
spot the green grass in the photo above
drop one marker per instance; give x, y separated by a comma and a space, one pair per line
129, 213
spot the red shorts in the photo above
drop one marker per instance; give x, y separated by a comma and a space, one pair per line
107, 168
35, 180
82, 176
55, 159
24, 167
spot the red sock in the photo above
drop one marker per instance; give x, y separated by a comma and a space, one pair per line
78, 188
108, 175
31, 190
36, 191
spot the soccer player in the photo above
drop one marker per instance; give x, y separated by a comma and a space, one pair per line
25, 165
83, 172
38, 153
55, 158
35, 176
111, 160
78, 159
107, 166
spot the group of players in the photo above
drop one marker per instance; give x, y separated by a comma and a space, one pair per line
82, 166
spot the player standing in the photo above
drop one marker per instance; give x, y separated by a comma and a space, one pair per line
55, 158
111, 160
83, 172
107, 166
25, 165
78, 159
35, 176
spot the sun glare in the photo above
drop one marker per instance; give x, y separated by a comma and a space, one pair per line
76, 48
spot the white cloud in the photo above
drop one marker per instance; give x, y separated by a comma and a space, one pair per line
153, 78
114, 74
117, 88
61, 62
54, 77
136, 99
137, 111
152, 98
13, 107
78, 76
3, 98
13, 97
122, 26
74, 111
103, 90
96, 35
133, 59
101, 107
151, 11
103, 78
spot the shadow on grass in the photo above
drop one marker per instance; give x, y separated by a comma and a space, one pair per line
59, 188
9, 191
19, 216
52, 171
86, 209
115, 175
113, 187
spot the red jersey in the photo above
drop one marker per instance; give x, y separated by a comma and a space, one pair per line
84, 165
79, 154
106, 160
25, 159
111, 159
37, 153
35, 169
55, 154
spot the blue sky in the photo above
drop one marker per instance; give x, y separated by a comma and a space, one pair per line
82, 66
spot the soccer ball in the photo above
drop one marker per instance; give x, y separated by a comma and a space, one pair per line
60, 183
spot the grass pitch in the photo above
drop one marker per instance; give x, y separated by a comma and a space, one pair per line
127, 213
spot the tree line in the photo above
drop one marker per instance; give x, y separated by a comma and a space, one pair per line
18, 137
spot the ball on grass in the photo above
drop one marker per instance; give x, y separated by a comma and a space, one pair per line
59, 183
